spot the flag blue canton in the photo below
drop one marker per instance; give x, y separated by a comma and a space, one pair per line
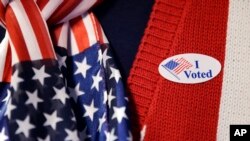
171, 65
74, 98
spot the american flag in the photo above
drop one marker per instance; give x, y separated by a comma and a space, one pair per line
68, 91
178, 65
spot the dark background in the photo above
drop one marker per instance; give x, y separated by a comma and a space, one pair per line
124, 22
2, 32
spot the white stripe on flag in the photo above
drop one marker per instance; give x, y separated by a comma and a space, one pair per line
81, 8
27, 30
3, 53
50, 8
63, 37
235, 99
90, 29
179, 69
73, 45
183, 64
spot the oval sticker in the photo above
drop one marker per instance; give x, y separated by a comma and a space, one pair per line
189, 68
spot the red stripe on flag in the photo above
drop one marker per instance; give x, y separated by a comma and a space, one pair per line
7, 67
180, 60
80, 33
180, 66
180, 69
183, 64
2, 10
64, 9
42, 3
16, 35
39, 28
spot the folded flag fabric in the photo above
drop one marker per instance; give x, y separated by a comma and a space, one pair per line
59, 81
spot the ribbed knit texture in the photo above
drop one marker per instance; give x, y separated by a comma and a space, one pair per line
173, 111
158, 38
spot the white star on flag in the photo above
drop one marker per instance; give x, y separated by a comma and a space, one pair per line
61, 94
24, 126
110, 136
105, 97
96, 80
75, 92
115, 74
71, 135
3, 136
33, 98
101, 122
90, 110
119, 113
82, 67
6, 99
40, 74
99, 56
105, 57
15, 80
52, 120
10, 107
110, 97
61, 60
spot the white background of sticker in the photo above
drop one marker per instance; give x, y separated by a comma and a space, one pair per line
205, 63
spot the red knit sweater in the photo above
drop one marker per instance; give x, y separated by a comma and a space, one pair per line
172, 111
